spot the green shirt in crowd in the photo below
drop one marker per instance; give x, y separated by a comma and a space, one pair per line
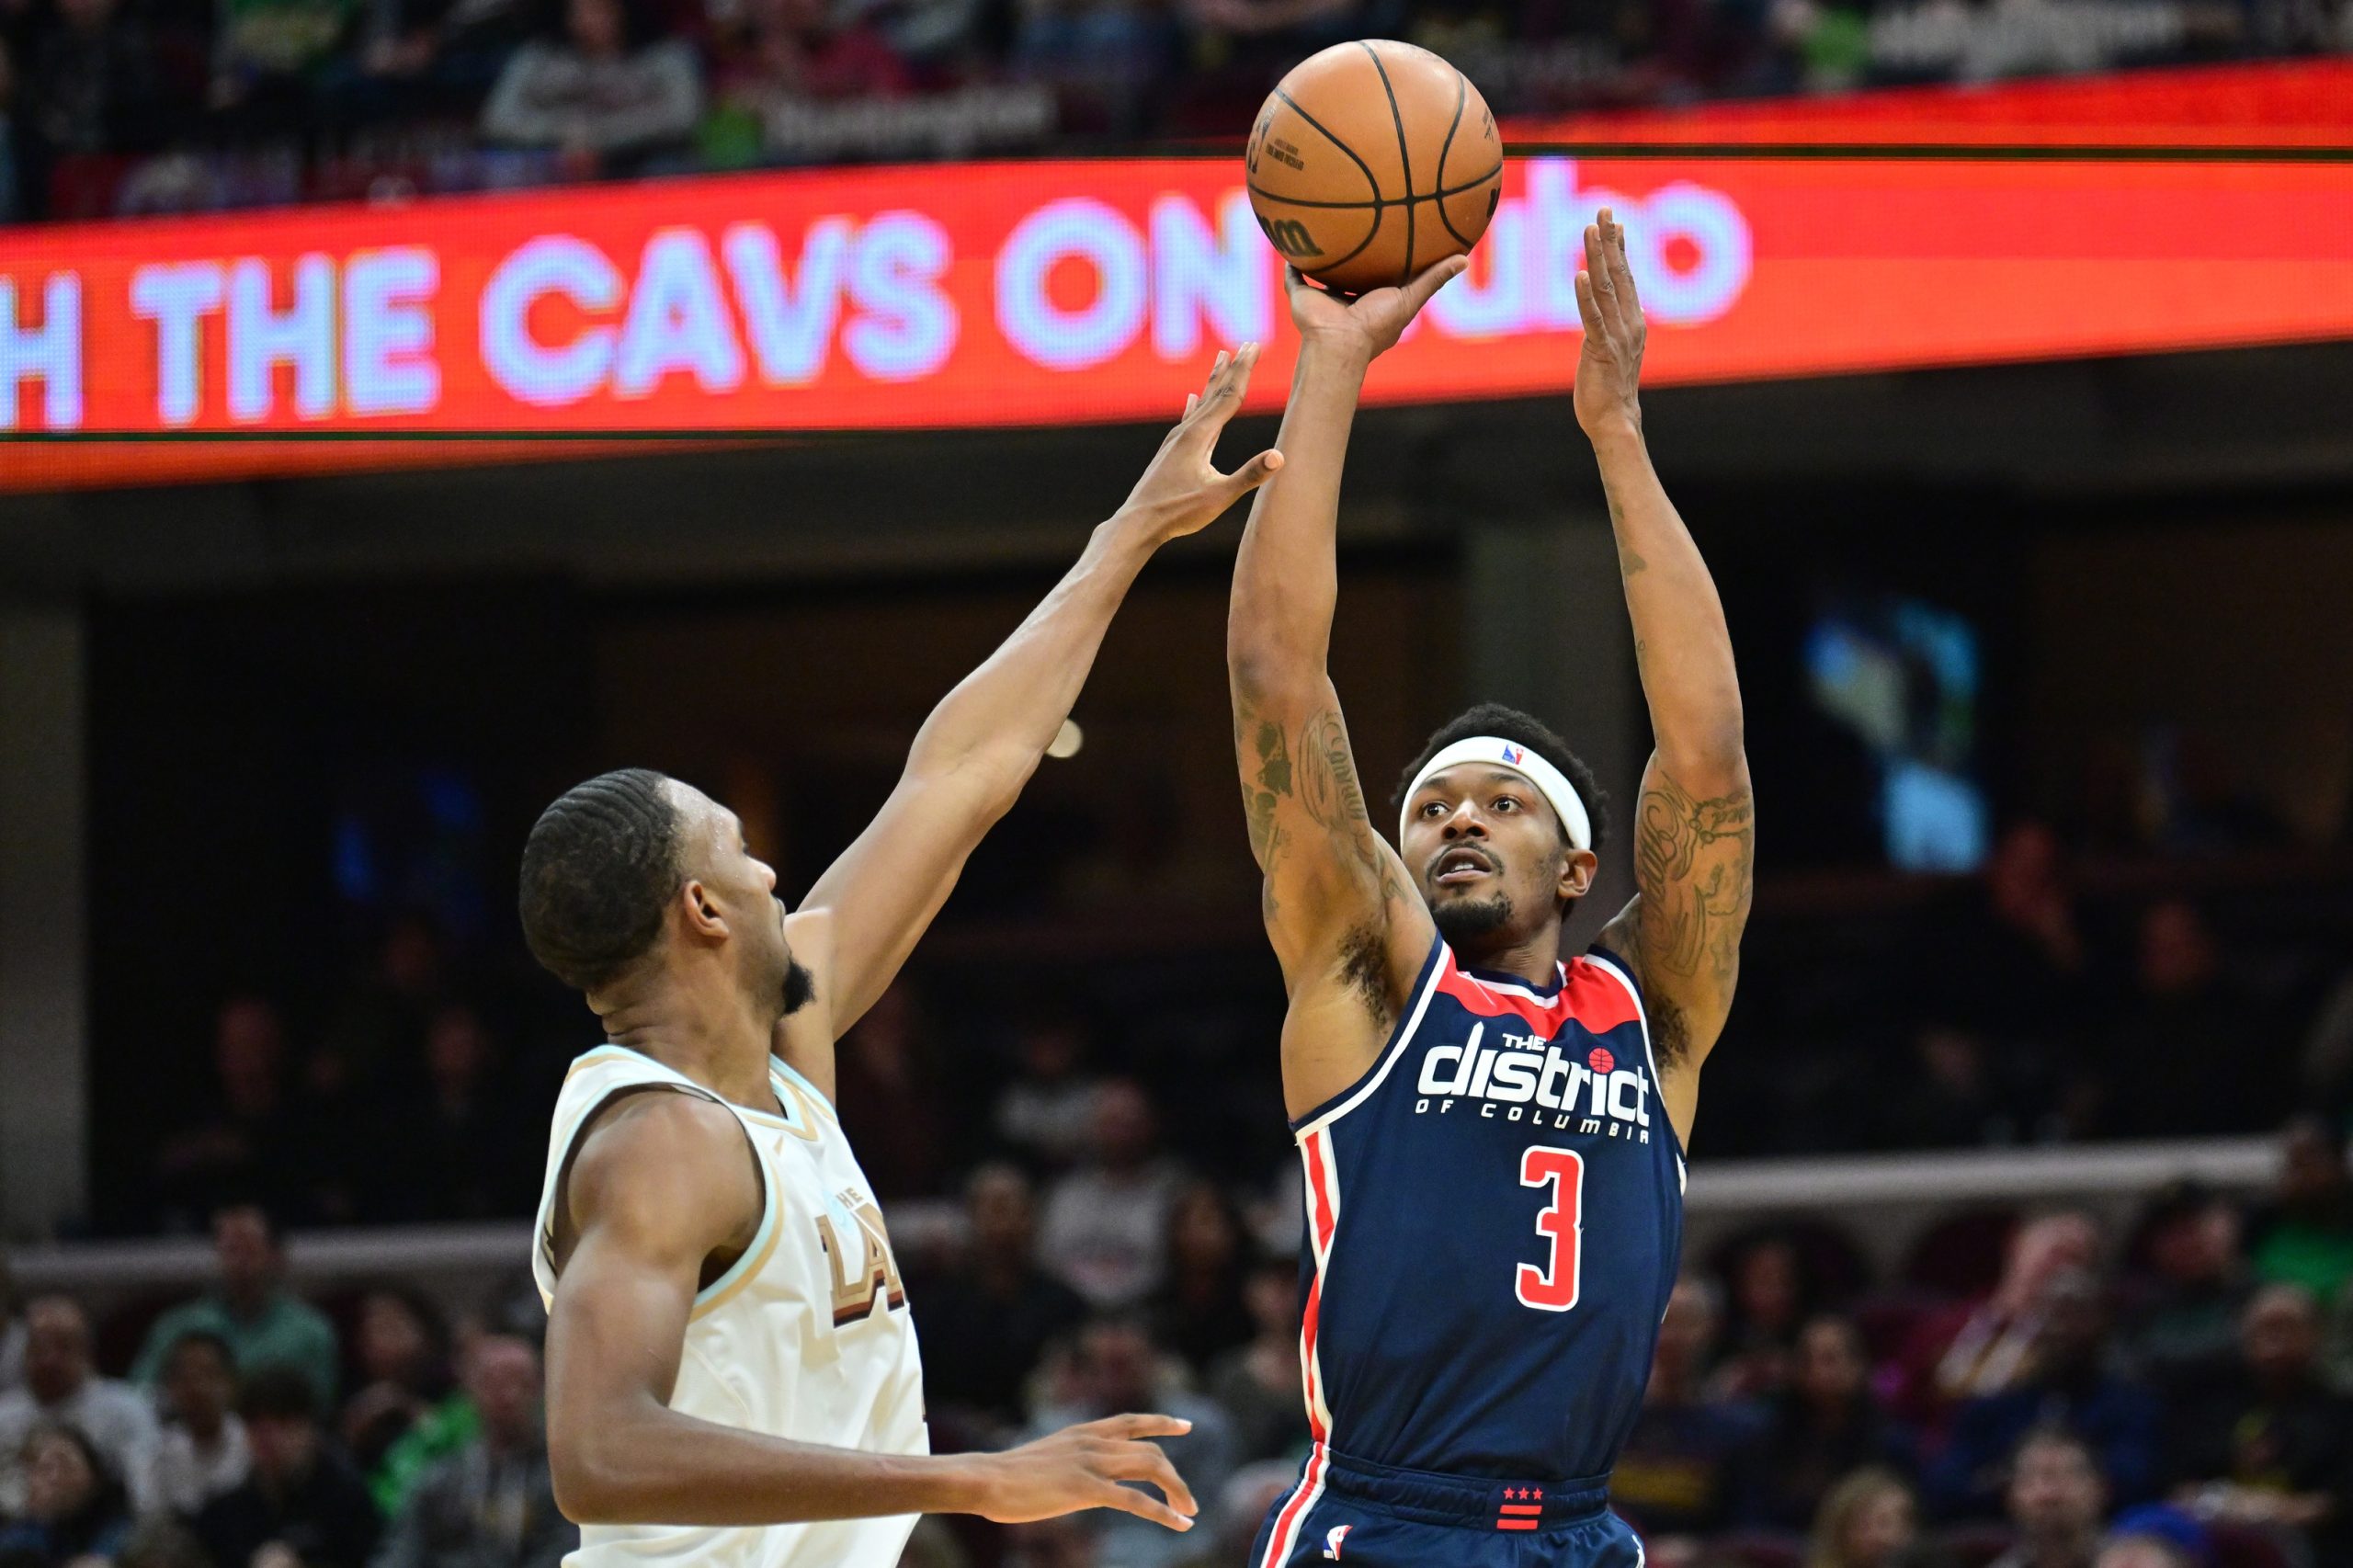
285, 1333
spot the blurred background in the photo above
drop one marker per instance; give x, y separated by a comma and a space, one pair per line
2020, 1218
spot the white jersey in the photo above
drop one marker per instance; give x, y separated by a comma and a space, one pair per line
806, 1337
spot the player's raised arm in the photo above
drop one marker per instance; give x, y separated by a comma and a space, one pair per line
981, 744
660, 1185
1339, 909
1694, 834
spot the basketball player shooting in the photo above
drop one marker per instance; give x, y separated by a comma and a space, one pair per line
1491, 1137
733, 1374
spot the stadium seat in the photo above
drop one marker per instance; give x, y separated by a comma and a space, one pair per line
2246, 1546
1962, 1257
1974, 1546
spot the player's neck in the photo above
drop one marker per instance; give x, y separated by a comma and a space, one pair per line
1534, 959
713, 1039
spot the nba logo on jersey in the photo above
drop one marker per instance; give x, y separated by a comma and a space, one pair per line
1332, 1540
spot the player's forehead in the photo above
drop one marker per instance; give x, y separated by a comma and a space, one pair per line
706, 821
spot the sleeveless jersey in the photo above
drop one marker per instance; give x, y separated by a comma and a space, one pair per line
1495, 1218
807, 1337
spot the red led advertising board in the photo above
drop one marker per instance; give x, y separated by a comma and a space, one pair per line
1040, 293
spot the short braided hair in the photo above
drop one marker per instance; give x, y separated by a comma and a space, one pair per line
599, 867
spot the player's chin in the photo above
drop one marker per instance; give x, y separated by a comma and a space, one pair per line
1465, 915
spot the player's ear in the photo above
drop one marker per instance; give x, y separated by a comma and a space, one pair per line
1578, 867
704, 918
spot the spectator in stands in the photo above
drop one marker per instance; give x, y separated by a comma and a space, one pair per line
606, 94
302, 1497
2264, 1439
63, 1388
491, 1505
2073, 1378
94, 84
987, 1322
416, 57
408, 1413
1955, 1095
250, 1307
1769, 1298
2304, 1235
2183, 1001
1824, 1425
1046, 1111
235, 1148
12, 1331
203, 1453
1116, 52
75, 1510
380, 1025
2191, 1285
1866, 1520
266, 56
1258, 1384
2055, 1500
1984, 1349
1675, 1478
886, 1092
1198, 1311
464, 1156
1117, 1367
1106, 1222
2156, 1536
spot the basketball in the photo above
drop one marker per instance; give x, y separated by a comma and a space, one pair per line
1371, 160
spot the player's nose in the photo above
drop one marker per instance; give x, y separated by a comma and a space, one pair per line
1464, 820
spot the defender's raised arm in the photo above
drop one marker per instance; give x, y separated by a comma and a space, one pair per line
979, 747
1345, 923
1694, 826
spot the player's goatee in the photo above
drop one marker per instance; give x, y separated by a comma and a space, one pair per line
1460, 921
800, 987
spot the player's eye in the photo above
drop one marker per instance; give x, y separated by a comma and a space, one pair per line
1506, 803
1432, 808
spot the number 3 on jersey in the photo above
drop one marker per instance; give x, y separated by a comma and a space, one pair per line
1553, 1287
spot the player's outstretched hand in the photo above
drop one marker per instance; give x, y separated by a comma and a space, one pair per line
1082, 1467
1368, 323
1609, 363
1182, 492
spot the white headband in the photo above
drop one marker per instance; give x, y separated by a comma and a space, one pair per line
1512, 757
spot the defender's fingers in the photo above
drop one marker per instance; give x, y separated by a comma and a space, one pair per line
1622, 269
1144, 1506
1589, 307
1252, 474
1139, 1426
1191, 400
1144, 1463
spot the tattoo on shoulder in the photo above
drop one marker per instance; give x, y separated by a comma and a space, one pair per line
1694, 860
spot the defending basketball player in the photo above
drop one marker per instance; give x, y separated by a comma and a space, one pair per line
733, 1375
1491, 1137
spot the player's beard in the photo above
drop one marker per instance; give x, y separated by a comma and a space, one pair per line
799, 986
1466, 920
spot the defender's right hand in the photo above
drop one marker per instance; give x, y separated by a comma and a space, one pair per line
1082, 1467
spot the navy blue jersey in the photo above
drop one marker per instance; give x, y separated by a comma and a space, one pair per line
1494, 1216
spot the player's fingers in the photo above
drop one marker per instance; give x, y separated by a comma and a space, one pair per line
1589, 307
1432, 279
1142, 1461
1252, 474
1622, 269
1191, 401
1140, 1426
1144, 1506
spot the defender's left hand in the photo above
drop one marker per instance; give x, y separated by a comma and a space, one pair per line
1609, 365
1182, 492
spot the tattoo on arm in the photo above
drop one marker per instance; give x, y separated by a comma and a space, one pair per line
1262, 793
1694, 861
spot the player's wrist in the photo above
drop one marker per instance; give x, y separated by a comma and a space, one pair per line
1620, 427
959, 1484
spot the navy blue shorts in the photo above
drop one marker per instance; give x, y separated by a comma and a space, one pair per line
1346, 1511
